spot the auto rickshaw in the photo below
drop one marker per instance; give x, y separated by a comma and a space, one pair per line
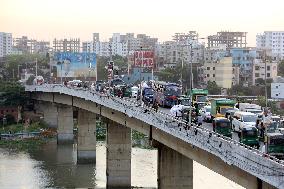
249, 136
275, 145
127, 91
222, 126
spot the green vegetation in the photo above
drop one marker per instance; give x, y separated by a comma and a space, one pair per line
174, 74
102, 63
100, 131
20, 144
12, 94
29, 144
18, 62
213, 88
281, 68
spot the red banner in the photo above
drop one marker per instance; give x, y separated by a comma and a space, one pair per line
145, 59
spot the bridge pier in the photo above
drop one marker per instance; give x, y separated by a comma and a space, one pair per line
174, 169
118, 156
50, 113
86, 149
65, 125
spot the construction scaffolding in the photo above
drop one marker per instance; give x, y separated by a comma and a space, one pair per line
230, 39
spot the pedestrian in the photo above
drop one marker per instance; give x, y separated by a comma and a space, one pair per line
155, 105
199, 120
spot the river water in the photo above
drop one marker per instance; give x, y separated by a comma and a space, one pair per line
55, 167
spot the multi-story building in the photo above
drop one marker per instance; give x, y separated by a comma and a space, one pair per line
258, 71
220, 72
88, 46
23, 45
230, 39
65, 45
273, 41
277, 89
184, 48
41, 47
5, 44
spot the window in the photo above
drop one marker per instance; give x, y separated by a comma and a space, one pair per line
268, 74
213, 75
256, 67
276, 87
256, 74
268, 68
213, 68
276, 94
208, 68
208, 75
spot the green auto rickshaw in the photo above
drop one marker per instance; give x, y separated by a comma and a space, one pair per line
127, 91
275, 145
249, 136
222, 126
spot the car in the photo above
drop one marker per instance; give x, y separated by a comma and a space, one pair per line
206, 113
242, 119
134, 91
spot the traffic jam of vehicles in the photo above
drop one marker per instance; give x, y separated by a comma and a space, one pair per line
248, 123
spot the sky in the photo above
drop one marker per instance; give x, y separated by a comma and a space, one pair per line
47, 19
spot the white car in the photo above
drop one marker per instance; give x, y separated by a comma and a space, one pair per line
243, 119
206, 113
134, 91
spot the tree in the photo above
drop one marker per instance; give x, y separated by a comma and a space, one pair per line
213, 88
281, 68
30, 80
12, 94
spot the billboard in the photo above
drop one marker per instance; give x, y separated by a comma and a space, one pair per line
72, 64
144, 59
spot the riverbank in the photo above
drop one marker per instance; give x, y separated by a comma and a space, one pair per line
19, 137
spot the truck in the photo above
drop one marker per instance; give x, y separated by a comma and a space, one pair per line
199, 95
199, 98
219, 107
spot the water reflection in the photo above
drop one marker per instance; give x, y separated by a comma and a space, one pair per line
56, 167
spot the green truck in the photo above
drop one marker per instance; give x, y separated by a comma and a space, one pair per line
219, 107
199, 95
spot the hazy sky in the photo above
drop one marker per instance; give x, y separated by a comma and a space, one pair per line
46, 19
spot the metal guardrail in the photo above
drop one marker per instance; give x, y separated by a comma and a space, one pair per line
189, 133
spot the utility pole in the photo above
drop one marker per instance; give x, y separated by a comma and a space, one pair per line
36, 67
265, 77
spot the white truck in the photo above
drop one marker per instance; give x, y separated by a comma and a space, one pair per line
244, 107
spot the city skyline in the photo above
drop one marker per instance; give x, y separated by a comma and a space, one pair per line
161, 19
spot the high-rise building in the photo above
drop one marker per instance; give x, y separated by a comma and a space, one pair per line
272, 41
5, 44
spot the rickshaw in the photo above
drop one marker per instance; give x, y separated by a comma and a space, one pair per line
249, 136
222, 126
127, 91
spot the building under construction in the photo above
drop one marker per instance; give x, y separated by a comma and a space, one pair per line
72, 45
230, 39
183, 37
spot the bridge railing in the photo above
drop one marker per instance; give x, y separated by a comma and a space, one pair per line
263, 166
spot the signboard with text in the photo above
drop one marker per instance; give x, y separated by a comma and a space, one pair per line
144, 59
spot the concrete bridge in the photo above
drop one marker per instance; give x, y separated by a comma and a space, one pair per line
177, 146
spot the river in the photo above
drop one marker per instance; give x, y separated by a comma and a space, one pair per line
55, 167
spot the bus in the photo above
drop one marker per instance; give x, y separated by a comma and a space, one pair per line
166, 94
